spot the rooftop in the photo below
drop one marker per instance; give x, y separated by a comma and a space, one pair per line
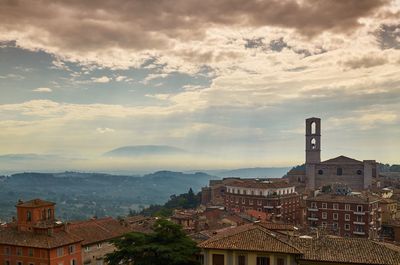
347, 250
11, 236
352, 198
250, 237
252, 183
97, 230
342, 160
35, 203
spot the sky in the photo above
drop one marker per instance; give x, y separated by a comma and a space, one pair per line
230, 81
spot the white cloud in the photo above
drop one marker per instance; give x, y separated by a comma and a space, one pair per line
43, 90
103, 79
104, 130
120, 78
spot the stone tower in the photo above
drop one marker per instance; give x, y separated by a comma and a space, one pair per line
313, 149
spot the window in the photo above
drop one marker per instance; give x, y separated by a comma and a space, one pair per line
19, 251
28, 216
60, 252
7, 251
7, 262
324, 205
335, 206
19, 262
335, 226
87, 248
99, 245
48, 213
347, 227
262, 260
347, 217
313, 127
200, 259
245, 192
324, 215
261, 193
31, 263
359, 208
243, 201
259, 202
313, 205
71, 248
313, 143
335, 216
218, 259
320, 172
347, 207
339, 171
359, 218
237, 200
323, 224
280, 261
359, 172
241, 260
72, 262
30, 252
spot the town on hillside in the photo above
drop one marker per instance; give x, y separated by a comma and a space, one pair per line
339, 211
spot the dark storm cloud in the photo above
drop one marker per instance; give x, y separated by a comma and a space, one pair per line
388, 36
144, 24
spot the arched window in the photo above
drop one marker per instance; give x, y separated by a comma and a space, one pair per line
313, 143
28, 216
339, 171
313, 128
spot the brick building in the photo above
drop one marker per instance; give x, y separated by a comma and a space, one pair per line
353, 215
37, 238
277, 198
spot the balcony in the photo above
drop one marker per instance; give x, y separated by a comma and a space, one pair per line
278, 206
313, 209
269, 207
359, 213
359, 223
312, 218
359, 233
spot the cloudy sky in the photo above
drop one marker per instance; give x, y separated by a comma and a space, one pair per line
229, 81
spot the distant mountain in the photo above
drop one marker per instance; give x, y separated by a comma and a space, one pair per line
257, 172
145, 150
83, 195
20, 157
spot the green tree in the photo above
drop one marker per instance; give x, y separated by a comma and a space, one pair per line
168, 244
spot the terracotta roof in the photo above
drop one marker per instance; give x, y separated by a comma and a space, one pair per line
98, 230
276, 226
10, 236
356, 198
296, 172
260, 184
342, 160
251, 237
347, 250
35, 203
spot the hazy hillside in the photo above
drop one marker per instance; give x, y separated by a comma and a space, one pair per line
82, 195
144, 150
258, 172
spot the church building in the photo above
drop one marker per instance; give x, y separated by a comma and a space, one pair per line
354, 173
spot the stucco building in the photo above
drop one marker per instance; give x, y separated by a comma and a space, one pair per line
37, 238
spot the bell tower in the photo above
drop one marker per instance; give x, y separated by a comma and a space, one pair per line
313, 140
313, 149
